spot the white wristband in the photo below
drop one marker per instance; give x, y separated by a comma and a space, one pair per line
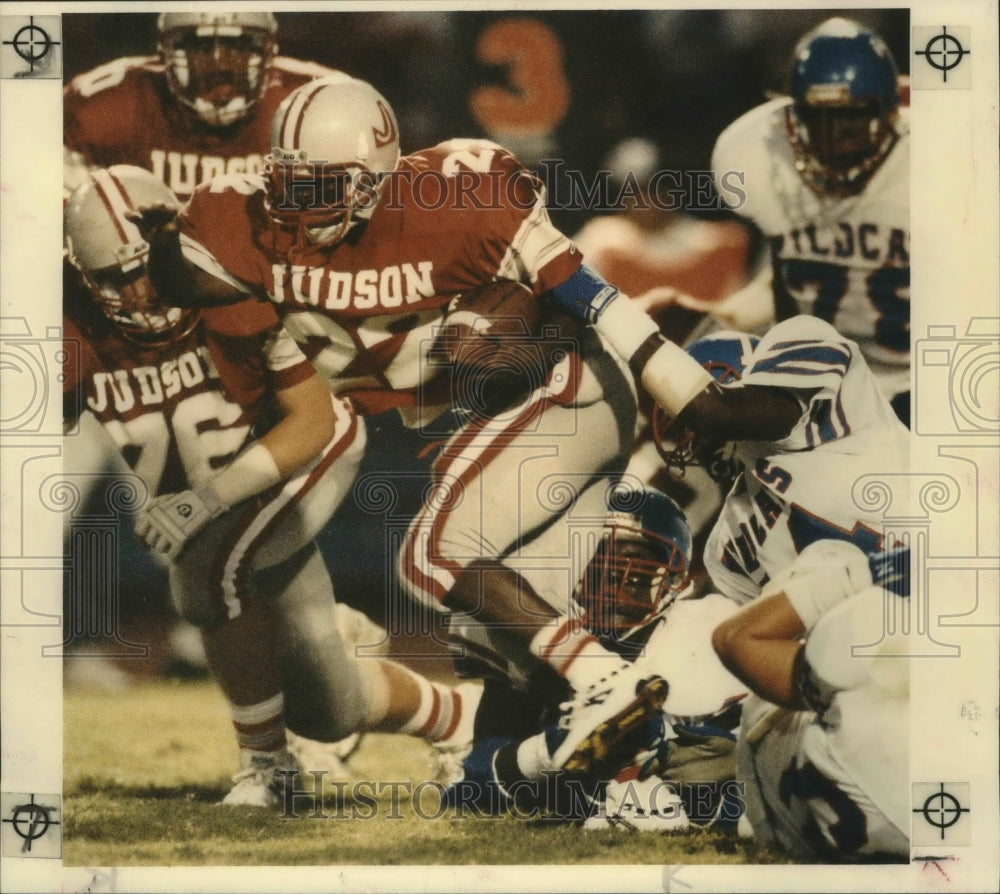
674, 378
251, 472
671, 376
625, 325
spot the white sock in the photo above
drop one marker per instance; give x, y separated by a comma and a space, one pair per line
260, 728
439, 712
574, 652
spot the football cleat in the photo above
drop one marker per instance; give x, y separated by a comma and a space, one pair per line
328, 758
262, 780
650, 805
594, 733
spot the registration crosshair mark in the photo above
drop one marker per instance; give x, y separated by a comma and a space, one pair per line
951, 52
945, 814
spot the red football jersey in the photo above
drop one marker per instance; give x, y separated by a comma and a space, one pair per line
180, 413
367, 309
122, 112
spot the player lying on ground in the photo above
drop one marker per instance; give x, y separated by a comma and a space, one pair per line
244, 455
823, 752
635, 597
341, 237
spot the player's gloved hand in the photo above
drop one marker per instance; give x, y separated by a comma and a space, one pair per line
170, 520
157, 224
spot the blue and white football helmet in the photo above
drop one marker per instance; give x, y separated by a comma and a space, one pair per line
640, 566
845, 102
725, 355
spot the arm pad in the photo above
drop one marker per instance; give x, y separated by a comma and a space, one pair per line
585, 294
672, 377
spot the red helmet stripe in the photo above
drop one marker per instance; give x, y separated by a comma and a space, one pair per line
108, 199
126, 198
294, 117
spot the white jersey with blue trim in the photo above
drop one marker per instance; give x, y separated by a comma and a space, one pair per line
845, 259
836, 780
805, 487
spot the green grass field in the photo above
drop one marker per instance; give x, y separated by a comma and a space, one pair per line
145, 768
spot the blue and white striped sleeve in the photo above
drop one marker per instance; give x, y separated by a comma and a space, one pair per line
807, 356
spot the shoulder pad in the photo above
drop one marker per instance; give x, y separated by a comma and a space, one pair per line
113, 73
301, 68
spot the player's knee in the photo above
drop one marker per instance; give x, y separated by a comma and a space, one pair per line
427, 577
199, 610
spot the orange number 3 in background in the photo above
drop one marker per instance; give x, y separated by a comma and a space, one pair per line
537, 95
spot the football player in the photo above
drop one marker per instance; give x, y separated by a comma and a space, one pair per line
636, 597
793, 420
201, 106
244, 454
823, 751
824, 174
362, 251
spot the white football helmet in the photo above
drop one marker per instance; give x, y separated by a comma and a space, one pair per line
111, 255
333, 143
217, 64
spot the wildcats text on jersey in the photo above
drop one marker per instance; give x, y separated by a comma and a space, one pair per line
143, 386
848, 240
739, 554
389, 287
183, 171
767, 508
